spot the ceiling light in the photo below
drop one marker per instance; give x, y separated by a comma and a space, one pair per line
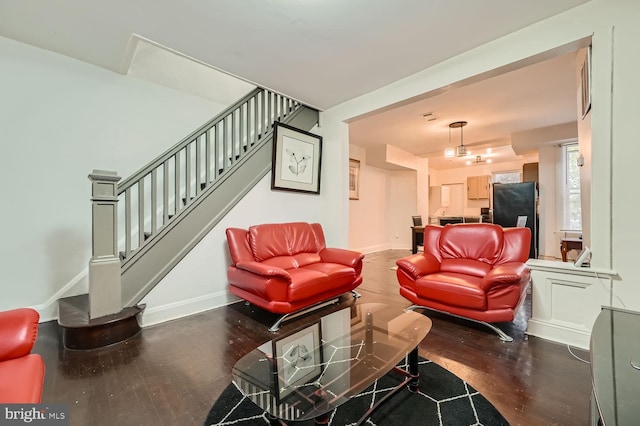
461, 151
449, 152
478, 160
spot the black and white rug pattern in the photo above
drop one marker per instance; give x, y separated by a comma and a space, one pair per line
443, 399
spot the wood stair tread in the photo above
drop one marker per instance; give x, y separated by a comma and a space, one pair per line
80, 332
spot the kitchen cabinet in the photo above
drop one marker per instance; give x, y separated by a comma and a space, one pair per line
478, 187
445, 196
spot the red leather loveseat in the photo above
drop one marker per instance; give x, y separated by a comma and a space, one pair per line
286, 268
21, 372
474, 271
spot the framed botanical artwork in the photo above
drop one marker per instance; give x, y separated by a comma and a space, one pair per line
298, 359
354, 179
296, 159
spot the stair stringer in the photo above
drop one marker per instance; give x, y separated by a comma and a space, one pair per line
154, 260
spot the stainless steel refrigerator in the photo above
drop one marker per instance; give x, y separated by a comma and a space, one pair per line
514, 200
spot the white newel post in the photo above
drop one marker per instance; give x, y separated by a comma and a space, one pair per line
104, 267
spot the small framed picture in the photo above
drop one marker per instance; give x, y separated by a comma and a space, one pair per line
298, 359
354, 179
296, 159
585, 80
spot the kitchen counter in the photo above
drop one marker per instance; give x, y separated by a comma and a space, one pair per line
441, 220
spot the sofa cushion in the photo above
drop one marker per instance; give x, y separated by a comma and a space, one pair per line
311, 280
281, 239
338, 274
516, 245
304, 259
479, 241
284, 262
453, 289
471, 267
22, 380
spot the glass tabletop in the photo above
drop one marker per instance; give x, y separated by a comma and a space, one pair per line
615, 365
312, 371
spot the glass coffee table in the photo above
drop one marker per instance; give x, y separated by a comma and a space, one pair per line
307, 374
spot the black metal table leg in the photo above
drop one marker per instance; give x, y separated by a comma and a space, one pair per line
414, 374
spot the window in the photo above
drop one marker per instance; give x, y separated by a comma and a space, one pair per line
506, 177
572, 211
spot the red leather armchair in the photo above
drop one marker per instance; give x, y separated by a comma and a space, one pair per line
286, 268
473, 271
21, 372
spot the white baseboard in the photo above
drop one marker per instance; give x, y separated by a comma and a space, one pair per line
158, 314
372, 249
560, 333
78, 285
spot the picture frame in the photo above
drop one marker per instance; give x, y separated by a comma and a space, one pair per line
298, 359
297, 159
354, 179
585, 80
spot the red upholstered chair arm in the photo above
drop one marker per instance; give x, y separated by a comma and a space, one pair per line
419, 265
505, 274
264, 270
18, 332
342, 257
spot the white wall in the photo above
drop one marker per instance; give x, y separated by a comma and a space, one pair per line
61, 119
549, 156
381, 218
369, 218
402, 204
584, 142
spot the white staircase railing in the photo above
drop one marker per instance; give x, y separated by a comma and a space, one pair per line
168, 205
154, 196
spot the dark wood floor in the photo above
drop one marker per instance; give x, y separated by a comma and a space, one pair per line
170, 374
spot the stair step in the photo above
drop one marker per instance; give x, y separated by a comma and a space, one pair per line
147, 235
80, 332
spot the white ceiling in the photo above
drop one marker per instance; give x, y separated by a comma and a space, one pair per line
323, 52
517, 102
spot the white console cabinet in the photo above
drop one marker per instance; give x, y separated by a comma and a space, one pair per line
566, 300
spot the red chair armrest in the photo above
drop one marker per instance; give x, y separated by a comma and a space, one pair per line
342, 256
505, 274
18, 332
419, 265
264, 270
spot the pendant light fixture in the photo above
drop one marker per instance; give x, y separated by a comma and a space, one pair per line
461, 151
449, 152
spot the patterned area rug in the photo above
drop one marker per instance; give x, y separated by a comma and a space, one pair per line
444, 399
